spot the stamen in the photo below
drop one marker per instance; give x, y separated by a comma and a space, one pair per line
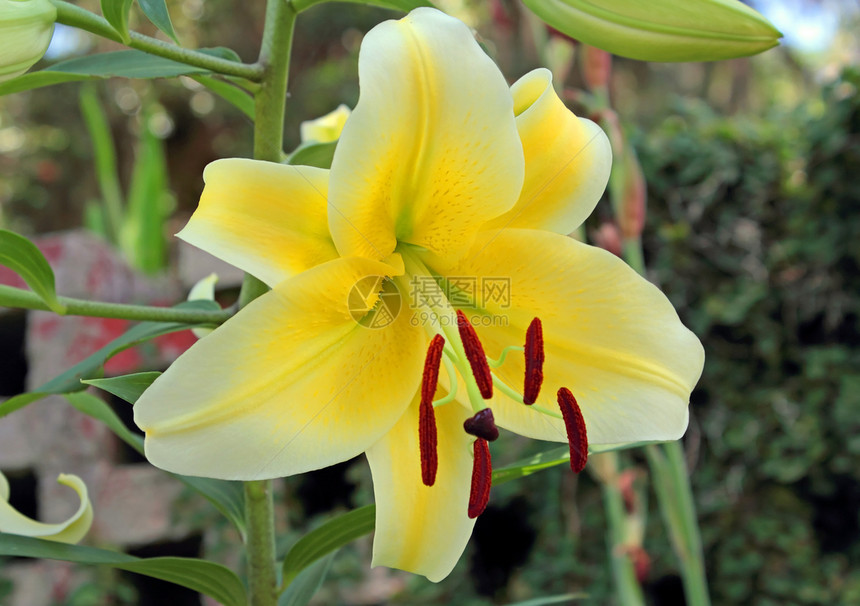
426, 414
482, 425
475, 354
575, 426
482, 476
534, 362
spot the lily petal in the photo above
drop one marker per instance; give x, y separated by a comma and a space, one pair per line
70, 531
610, 336
431, 150
567, 160
265, 218
291, 383
422, 529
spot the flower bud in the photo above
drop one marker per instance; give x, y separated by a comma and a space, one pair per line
325, 129
596, 67
662, 30
26, 27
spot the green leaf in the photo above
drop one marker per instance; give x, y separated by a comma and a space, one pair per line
400, 5
555, 599
313, 154
91, 367
231, 93
97, 408
303, 588
662, 30
206, 577
325, 539
116, 13
127, 387
156, 12
553, 458
227, 496
21, 256
123, 64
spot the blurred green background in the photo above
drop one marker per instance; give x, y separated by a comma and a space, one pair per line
753, 231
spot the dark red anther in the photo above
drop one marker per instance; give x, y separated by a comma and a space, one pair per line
475, 354
426, 414
575, 426
482, 477
482, 425
534, 361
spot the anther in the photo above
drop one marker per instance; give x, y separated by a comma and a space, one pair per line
534, 362
482, 477
482, 425
475, 354
575, 426
426, 414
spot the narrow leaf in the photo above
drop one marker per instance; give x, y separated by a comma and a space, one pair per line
313, 154
555, 599
156, 12
127, 387
21, 256
211, 579
325, 539
303, 588
97, 408
116, 13
233, 94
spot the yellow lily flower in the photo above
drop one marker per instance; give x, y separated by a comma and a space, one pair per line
449, 194
71, 531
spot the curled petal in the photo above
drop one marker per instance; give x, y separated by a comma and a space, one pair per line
70, 531
431, 150
610, 336
422, 529
267, 219
295, 381
567, 160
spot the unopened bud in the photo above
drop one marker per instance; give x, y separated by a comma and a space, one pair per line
608, 237
662, 30
325, 129
26, 27
596, 67
627, 192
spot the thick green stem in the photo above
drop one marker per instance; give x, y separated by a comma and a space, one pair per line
75, 16
260, 543
24, 299
674, 494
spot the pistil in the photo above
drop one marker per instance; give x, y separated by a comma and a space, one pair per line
482, 425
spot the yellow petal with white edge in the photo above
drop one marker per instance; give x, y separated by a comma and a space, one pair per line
567, 160
610, 336
293, 382
431, 150
70, 531
422, 529
265, 218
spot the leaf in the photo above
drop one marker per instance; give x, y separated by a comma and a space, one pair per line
552, 458
97, 408
127, 387
228, 497
233, 94
329, 537
313, 154
116, 13
303, 588
555, 599
208, 578
90, 367
400, 5
21, 256
156, 12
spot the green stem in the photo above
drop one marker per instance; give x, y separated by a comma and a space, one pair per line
24, 299
626, 584
674, 494
75, 16
260, 543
